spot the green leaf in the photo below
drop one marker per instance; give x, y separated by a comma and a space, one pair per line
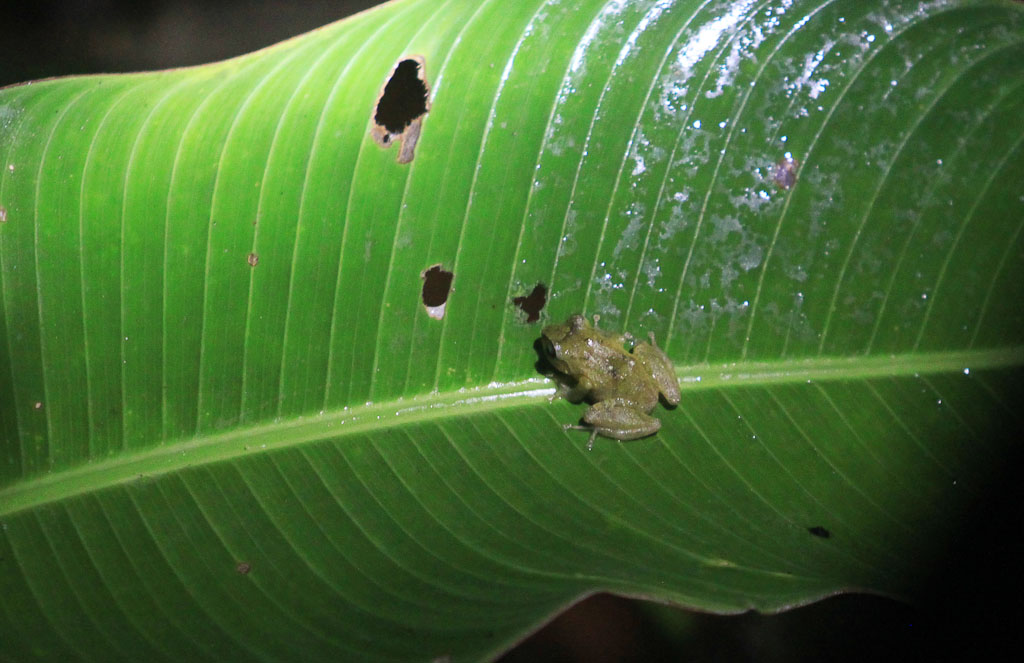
231, 430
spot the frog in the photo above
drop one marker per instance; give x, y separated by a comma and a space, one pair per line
622, 386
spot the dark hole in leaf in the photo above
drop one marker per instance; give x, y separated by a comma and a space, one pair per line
820, 531
533, 303
398, 115
404, 98
437, 283
243, 567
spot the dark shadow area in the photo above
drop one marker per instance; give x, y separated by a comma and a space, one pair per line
968, 609
608, 629
46, 38
601, 629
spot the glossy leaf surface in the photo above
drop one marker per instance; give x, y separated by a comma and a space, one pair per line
230, 429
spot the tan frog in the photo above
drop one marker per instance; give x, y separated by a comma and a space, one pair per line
623, 386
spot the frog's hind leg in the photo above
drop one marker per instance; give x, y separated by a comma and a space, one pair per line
657, 363
620, 419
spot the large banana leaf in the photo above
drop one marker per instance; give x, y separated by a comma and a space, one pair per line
231, 429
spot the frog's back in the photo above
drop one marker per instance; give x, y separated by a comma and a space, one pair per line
627, 380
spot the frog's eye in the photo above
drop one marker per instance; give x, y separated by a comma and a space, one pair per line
549, 348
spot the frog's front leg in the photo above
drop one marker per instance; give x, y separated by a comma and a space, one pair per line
617, 418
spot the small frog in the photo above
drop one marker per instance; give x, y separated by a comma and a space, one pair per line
623, 386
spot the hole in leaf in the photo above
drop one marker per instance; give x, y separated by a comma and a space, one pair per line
253, 259
399, 112
437, 284
3, 214
819, 531
243, 567
784, 172
533, 303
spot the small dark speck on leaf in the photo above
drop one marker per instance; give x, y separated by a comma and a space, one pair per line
253, 259
243, 567
784, 172
819, 531
533, 303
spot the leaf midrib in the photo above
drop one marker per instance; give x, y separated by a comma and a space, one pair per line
206, 449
